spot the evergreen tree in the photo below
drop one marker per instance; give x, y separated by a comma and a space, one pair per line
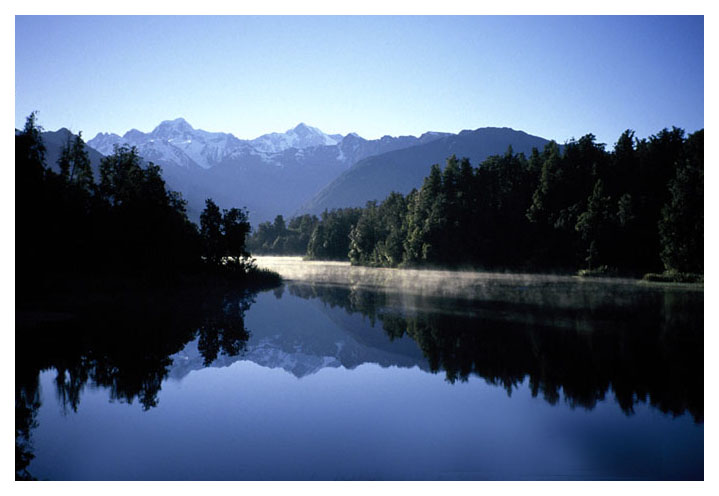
236, 227
555, 210
659, 157
64, 162
501, 231
120, 175
681, 226
392, 213
364, 236
33, 201
425, 220
330, 239
561, 195
211, 232
30, 149
81, 172
279, 225
595, 226
543, 208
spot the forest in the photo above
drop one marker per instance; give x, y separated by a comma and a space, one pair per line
123, 224
636, 210
112, 278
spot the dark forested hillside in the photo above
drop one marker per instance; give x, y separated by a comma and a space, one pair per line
118, 221
375, 177
634, 210
55, 141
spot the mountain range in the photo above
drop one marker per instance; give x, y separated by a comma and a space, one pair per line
54, 142
273, 174
329, 337
375, 177
302, 170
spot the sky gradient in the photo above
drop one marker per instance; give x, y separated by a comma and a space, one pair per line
555, 77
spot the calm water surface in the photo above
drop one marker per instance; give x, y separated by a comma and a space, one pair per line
347, 373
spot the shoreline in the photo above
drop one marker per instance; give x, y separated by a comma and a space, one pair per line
285, 265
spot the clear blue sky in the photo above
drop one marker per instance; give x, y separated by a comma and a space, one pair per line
556, 77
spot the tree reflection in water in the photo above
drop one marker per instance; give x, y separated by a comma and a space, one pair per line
645, 344
123, 345
571, 341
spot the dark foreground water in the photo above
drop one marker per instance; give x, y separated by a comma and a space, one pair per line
345, 374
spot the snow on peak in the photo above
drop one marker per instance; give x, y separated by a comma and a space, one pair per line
172, 142
303, 129
301, 136
176, 142
303, 126
173, 129
105, 142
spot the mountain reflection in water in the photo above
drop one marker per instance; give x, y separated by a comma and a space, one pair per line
647, 347
571, 342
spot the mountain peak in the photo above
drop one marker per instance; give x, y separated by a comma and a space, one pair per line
304, 130
65, 132
172, 128
300, 137
353, 136
180, 121
104, 135
133, 134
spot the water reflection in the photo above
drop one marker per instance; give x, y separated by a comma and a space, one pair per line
570, 342
123, 345
644, 345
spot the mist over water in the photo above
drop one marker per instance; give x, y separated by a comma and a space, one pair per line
536, 289
362, 373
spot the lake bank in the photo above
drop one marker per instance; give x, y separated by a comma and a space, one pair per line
450, 283
59, 296
296, 267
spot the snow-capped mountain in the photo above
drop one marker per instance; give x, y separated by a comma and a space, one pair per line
105, 142
300, 137
331, 337
176, 143
302, 170
270, 175
266, 353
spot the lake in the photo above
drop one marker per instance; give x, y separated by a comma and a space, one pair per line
348, 373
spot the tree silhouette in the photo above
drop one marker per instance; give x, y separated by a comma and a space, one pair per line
211, 232
634, 210
681, 227
236, 227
